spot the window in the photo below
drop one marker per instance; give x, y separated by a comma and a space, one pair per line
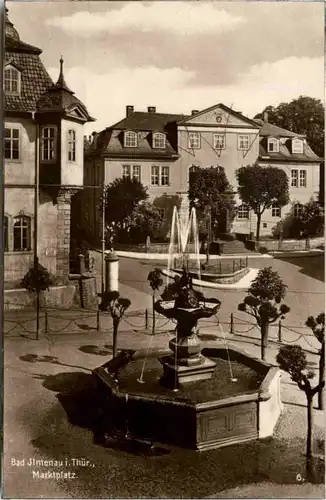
158, 141
219, 141
194, 140
273, 145
243, 212
243, 142
12, 143
165, 176
297, 210
303, 178
294, 178
71, 145
12, 81
22, 233
297, 146
155, 176
48, 144
130, 139
298, 178
5, 234
129, 171
276, 211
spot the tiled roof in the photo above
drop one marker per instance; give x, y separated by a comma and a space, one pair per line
148, 121
110, 142
270, 130
16, 45
34, 81
285, 153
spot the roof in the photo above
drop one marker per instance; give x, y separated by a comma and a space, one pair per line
59, 97
110, 142
285, 153
148, 121
35, 80
270, 130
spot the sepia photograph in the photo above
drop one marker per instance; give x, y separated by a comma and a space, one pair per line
163, 249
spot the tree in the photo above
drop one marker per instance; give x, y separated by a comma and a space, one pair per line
263, 302
304, 115
261, 187
211, 194
37, 280
317, 325
292, 359
116, 306
143, 221
121, 197
155, 281
311, 220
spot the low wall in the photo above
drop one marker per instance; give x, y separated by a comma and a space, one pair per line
286, 245
226, 279
57, 296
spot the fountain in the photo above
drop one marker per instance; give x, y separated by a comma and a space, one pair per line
189, 395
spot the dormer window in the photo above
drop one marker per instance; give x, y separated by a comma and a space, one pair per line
297, 146
158, 140
12, 80
130, 139
273, 145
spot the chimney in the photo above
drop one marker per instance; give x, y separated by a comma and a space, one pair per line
265, 117
129, 110
151, 109
194, 111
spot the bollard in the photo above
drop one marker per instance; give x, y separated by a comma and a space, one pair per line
247, 261
146, 319
98, 325
46, 323
111, 272
82, 266
231, 324
280, 331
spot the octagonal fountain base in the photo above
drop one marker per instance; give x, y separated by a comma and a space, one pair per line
201, 415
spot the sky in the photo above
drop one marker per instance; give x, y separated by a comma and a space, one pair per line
178, 56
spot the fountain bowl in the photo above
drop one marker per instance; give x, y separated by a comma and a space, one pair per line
202, 414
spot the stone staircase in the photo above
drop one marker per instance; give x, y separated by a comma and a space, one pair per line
236, 247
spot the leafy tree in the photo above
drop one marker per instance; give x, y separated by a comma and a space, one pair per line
304, 115
155, 281
292, 359
116, 306
263, 302
37, 280
261, 187
311, 219
209, 191
317, 326
143, 221
121, 197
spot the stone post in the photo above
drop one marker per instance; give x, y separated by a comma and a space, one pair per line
111, 272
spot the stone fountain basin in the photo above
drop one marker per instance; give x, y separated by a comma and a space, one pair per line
200, 415
205, 309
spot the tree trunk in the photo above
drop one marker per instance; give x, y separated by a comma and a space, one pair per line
258, 228
115, 336
321, 394
309, 425
37, 314
264, 340
153, 326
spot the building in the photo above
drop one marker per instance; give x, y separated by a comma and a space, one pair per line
43, 165
158, 149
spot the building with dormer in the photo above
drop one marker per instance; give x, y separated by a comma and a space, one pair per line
158, 149
43, 161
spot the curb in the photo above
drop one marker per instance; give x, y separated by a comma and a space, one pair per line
247, 279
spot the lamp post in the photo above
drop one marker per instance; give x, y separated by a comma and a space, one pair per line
103, 241
209, 232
